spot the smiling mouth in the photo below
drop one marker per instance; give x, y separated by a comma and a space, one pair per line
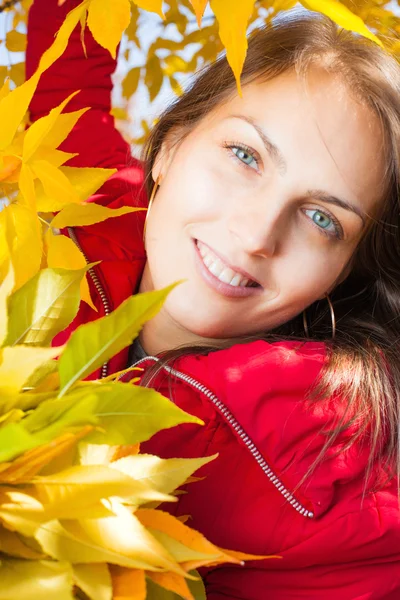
221, 271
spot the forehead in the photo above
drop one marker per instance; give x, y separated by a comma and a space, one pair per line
327, 137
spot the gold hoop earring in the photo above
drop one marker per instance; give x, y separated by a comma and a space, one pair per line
151, 200
305, 324
333, 319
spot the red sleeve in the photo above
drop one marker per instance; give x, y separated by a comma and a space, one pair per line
94, 137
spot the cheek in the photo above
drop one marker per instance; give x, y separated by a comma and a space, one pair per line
191, 192
309, 274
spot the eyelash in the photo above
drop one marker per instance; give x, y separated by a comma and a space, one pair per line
338, 233
230, 145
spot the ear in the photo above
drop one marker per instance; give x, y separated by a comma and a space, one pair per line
166, 153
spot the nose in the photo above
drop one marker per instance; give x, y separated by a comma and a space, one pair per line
257, 230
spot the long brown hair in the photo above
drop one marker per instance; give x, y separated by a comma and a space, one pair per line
364, 357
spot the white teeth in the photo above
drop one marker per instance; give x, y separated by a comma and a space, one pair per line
208, 260
236, 280
217, 268
227, 275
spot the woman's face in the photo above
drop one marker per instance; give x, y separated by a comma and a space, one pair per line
261, 207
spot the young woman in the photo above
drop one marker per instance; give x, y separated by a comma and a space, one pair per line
280, 212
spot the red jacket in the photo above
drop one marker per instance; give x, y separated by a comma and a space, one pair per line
334, 545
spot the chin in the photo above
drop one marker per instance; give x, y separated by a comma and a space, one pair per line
200, 324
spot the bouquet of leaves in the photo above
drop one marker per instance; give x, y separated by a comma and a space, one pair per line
77, 516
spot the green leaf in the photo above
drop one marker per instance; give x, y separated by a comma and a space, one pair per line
53, 416
14, 440
46, 369
94, 343
45, 305
155, 592
197, 587
128, 414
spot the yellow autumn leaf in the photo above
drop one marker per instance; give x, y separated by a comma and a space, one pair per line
199, 8
119, 539
20, 512
103, 454
12, 110
85, 181
39, 131
26, 184
165, 474
189, 547
130, 82
15, 41
87, 214
10, 166
128, 584
17, 73
173, 583
154, 77
19, 362
79, 487
29, 464
5, 89
96, 454
94, 580
107, 21
12, 416
62, 37
62, 127
343, 16
23, 243
55, 183
35, 580
15, 104
233, 18
12, 543
152, 6
62, 253
5, 291
56, 157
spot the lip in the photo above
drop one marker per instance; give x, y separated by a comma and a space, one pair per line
222, 288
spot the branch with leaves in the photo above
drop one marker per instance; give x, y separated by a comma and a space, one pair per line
170, 61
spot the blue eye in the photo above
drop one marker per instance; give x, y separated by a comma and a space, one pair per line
244, 155
326, 223
247, 156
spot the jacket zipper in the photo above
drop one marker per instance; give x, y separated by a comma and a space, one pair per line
99, 288
225, 412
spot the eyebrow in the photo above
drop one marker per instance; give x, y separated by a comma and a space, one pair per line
324, 197
280, 161
269, 145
